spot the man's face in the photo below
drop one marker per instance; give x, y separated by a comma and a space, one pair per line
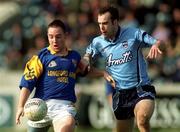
56, 38
106, 25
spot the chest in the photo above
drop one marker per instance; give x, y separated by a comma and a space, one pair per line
61, 63
120, 49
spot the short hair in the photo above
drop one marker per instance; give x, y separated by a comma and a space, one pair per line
112, 10
57, 23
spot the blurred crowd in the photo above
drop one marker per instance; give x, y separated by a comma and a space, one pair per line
27, 34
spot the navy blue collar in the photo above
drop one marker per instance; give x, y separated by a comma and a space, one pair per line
117, 34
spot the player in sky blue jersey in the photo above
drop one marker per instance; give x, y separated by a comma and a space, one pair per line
126, 69
53, 73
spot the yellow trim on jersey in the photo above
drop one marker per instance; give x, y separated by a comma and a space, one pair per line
53, 52
33, 68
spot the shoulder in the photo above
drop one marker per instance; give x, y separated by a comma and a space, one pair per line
74, 53
98, 39
98, 42
43, 52
129, 30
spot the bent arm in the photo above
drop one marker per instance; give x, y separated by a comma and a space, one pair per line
94, 72
84, 66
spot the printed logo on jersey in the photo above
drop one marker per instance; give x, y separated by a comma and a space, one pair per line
126, 57
125, 44
52, 64
30, 74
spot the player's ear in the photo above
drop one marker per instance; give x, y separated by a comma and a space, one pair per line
115, 22
67, 34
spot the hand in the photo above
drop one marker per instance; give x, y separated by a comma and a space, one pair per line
110, 79
19, 113
154, 51
84, 64
83, 68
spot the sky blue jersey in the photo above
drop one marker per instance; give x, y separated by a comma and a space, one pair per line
124, 58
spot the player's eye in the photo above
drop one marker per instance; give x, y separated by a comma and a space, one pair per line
104, 23
50, 36
58, 36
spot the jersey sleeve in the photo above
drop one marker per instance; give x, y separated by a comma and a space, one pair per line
32, 71
92, 50
77, 56
145, 38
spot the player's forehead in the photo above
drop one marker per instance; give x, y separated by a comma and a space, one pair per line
104, 17
55, 30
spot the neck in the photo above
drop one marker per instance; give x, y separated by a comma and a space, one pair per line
113, 36
63, 52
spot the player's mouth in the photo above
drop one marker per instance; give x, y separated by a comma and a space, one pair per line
55, 46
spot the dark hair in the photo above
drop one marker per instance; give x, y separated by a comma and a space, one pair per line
112, 10
57, 23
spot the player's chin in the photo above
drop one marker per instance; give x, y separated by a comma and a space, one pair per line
56, 49
104, 34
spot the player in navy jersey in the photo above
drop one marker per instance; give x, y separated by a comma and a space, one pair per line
126, 69
53, 73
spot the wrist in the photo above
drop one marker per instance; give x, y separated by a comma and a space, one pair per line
19, 107
158, 43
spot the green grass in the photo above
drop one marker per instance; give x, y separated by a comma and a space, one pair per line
82, 129
89, 129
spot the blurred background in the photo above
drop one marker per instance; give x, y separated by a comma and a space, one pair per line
23, 26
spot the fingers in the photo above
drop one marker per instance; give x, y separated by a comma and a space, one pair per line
18, 116
113, 84
18, 119
111, 81
153, 53
84, 64
159, 51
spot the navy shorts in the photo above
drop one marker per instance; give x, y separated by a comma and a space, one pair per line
124, 101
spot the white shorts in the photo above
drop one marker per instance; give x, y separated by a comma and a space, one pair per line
57, 109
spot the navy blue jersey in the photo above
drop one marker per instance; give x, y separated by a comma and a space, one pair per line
124, 58
54, 77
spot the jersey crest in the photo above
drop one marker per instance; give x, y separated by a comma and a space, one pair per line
52, 64
125, 44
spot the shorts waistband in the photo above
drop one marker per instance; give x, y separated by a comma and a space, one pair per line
60, 101
136, 88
